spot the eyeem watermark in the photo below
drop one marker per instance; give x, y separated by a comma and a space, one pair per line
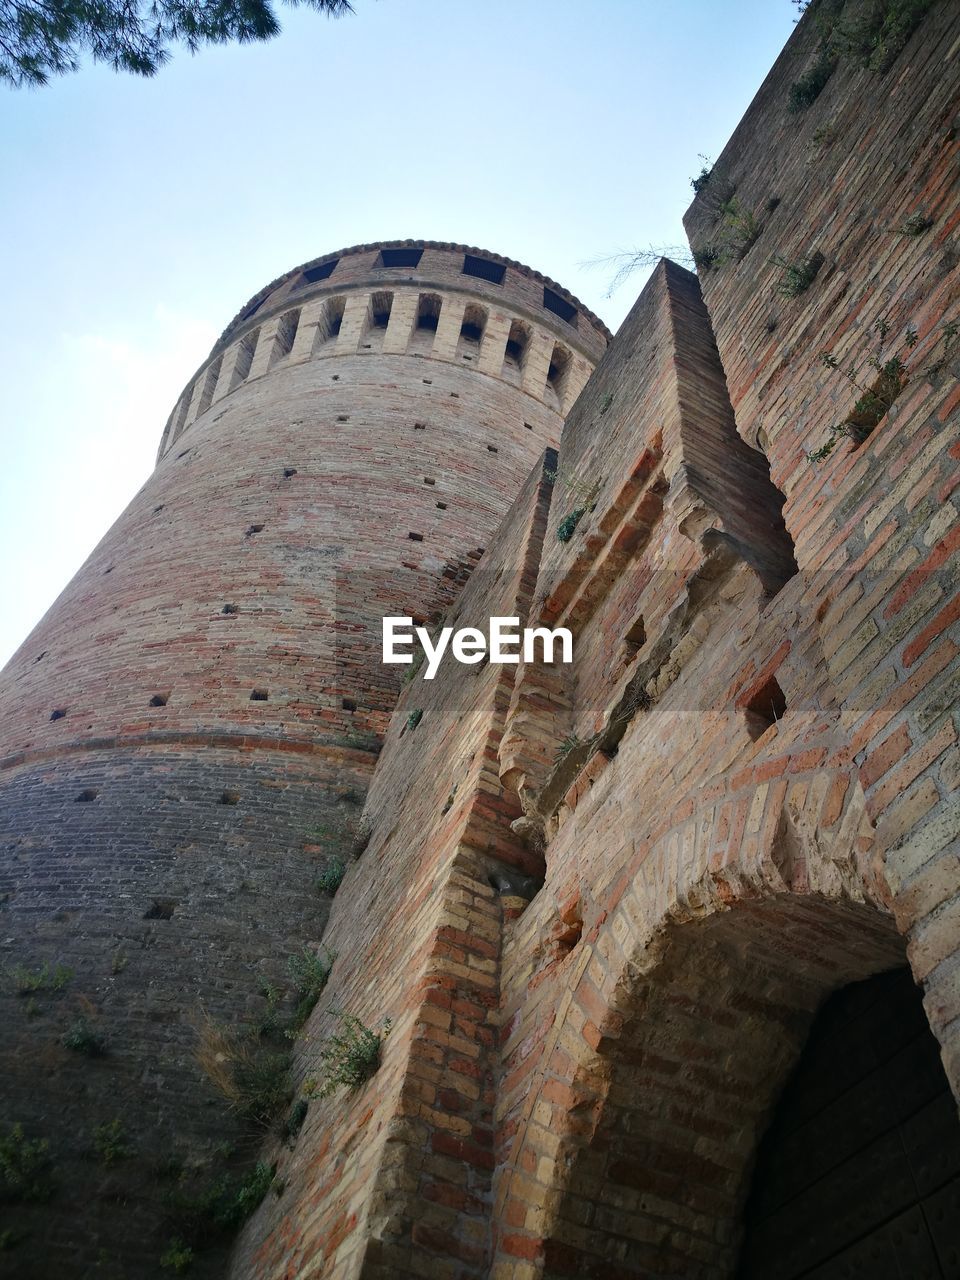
506, 642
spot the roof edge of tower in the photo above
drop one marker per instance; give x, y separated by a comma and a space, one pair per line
531, 274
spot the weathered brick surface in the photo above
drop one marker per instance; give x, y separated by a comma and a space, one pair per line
258, 558
600, 904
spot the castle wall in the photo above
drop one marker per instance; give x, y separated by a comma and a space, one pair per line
396, 1179
715, 797
188, 735
865, 178
599, 905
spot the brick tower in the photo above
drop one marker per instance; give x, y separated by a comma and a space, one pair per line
187, 733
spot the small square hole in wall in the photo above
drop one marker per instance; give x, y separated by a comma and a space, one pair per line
636, 636
343, 417
348, 704
764, 708
230, 609
159, 699
259, 695
399, 258
58, 714
429, 480
335, 378
86, 795
161, 909
229, 797
528, 425
254, 528
454, 395
419, 426
415, 537
493, 448
441, 506
288, 472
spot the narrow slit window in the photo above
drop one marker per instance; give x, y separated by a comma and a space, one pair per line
328, 326
515, 352
245, 353
286, 335
557, 372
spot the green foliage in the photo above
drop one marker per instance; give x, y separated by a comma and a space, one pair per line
570, 743
414, 718
223, 1205
253, 1079
110, 1141
31, 981
40, 38
178, 1258
294, 1121
877, 32
915, 225
349, 1057
568, 525
879, 380
310, 972
707, 258
796, 277
739, 227
25, 1167
10, 1237
263, 1086
871, 33
81, 1038
737, 230
703, 177
804, 92
331, 877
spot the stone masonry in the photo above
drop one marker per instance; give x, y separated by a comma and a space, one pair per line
650, 932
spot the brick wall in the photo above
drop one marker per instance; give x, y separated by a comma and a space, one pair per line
196, 719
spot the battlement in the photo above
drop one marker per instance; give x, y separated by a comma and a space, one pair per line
414, 298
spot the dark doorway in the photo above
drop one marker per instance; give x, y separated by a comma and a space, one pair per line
859, 1172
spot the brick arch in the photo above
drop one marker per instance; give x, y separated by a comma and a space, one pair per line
633, 1150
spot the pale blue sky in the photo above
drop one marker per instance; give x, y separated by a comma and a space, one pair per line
141, 214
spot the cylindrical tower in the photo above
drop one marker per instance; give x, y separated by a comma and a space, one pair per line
187, 733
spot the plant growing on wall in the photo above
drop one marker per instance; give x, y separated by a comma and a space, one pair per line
331, 877
25, 1167
871, 34
879, 379
350, 1056
583, 491
796, 277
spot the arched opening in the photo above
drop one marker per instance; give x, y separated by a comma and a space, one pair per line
329, 322
425, 326
376, 321
858, 1173
286, 335
558, 372
515, 353
651, 1168
471, 332
246, 350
